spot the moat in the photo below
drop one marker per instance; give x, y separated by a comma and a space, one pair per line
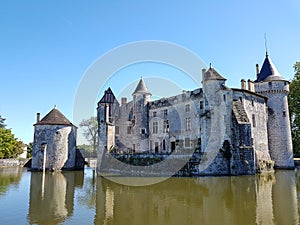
79, 197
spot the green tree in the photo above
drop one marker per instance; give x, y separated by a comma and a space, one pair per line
9, 145
2, 124
294, 108
90, 131
29, 149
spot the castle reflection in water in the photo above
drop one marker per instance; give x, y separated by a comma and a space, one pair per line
260, 199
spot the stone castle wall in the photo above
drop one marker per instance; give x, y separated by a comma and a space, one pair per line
236, 131
278, 123
61, 147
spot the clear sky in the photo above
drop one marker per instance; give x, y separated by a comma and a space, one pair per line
47, 46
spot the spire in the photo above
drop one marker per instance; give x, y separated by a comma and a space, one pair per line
266, 46
141, 88
268, 71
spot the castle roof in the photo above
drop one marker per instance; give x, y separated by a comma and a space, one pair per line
212, 74
141, 88
108, 97
268, 71
54, 117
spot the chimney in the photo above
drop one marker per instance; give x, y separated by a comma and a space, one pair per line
257, 70
250, 85
38, 116
243, 84
123, 101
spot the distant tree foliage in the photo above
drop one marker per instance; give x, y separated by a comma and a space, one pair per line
2, 124
9, 145
29, 149
90, 131
87, 151
294, 108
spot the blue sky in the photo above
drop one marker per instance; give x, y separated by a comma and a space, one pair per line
47, 46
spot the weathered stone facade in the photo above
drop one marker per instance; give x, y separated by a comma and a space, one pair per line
231, 131
59, 136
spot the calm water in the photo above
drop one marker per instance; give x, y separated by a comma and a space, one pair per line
79, 198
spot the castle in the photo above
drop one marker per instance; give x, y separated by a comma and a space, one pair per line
247, 128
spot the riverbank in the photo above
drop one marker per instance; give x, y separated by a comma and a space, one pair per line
15, 162
297, 161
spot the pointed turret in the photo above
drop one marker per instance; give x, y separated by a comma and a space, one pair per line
141, 88
140, 128
272, 85
268, 71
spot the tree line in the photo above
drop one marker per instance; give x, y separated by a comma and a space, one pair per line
10, 146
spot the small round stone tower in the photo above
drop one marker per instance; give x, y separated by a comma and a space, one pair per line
55, 136
271, 84
140, 120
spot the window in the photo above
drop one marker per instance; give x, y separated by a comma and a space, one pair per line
156, 147
165, 112
166, 126
201, 104
187, 107
173, 146
270, 84
241, 99
129, 130
143, 131
151, 143
117, 130
284, 113
154, 114
224, 98
188, 123
187, 142
164, 145
253, 121
252, 102
130, 115
155, 128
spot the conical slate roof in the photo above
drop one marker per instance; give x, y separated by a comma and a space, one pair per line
54, 117
212, 74
268, 71
141, 88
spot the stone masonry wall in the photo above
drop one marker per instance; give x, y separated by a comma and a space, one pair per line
13, 162
61, 147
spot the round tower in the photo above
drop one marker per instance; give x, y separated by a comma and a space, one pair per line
272, 85
140, 120
54, 142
